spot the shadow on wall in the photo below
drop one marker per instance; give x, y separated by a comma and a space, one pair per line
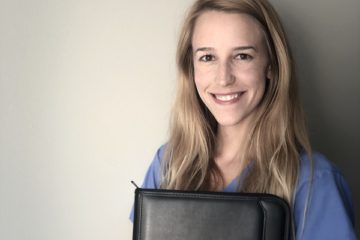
327, 53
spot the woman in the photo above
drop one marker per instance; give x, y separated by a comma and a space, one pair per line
237, 123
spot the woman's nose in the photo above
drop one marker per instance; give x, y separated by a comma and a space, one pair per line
225, 76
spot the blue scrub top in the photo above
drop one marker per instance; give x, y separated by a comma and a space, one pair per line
329, 213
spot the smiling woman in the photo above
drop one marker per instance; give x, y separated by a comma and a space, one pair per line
237, 123
230, 76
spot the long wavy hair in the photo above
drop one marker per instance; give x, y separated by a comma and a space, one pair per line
277, 135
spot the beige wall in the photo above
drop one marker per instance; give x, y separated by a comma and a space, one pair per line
85, 93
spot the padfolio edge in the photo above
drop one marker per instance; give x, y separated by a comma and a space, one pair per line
186, 215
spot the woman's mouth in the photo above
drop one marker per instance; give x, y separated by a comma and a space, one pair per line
227, 98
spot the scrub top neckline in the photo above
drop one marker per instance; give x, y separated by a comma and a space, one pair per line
236, 183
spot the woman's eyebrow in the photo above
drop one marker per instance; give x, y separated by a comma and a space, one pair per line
208, 49
245, 48
204, 49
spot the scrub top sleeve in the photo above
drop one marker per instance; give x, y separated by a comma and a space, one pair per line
152, 177
330, 211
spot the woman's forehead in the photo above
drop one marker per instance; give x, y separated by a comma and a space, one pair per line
216, 28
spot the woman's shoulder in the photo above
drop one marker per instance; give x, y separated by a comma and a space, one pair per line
322, 193
159, 154
321, 162
153, 175
317, 165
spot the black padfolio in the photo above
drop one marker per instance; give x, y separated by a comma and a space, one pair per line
181, 215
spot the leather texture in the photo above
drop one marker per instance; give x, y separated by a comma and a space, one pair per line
180, 215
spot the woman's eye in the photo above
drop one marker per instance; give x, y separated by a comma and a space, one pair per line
207, 58
243, 56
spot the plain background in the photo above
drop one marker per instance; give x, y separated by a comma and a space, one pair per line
85, 94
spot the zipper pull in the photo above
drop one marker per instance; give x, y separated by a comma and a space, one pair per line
133, 183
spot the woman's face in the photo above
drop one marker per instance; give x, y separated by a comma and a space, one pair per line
231, 65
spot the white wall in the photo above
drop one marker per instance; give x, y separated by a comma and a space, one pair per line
85, 94
85, 89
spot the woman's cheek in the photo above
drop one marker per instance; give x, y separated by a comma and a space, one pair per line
204, 75
251, 76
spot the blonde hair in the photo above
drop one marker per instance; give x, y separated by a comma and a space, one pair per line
278, 133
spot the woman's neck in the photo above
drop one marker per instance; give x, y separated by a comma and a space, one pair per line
230, 148
230, 141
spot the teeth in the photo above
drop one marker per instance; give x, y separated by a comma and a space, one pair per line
226, 97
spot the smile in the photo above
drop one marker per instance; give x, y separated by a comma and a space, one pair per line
227, 98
